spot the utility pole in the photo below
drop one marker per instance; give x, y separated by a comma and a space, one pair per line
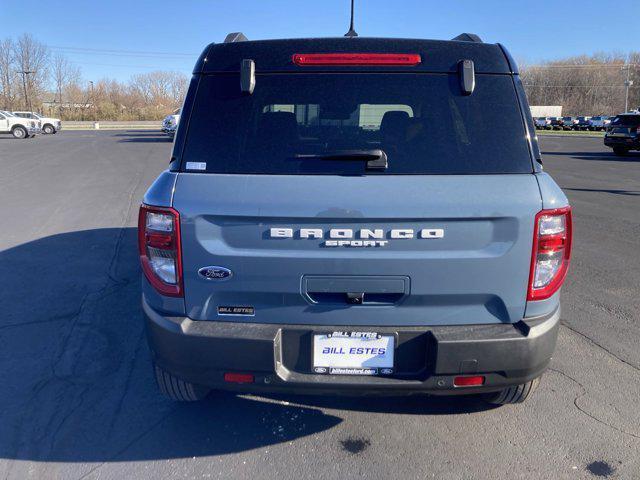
24, 74
627, 84
91, 100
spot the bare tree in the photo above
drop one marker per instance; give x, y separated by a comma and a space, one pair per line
32, 56
63, 73
7, 74
160, 88
584, 85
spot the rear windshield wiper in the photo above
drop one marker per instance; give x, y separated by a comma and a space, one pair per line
376, 159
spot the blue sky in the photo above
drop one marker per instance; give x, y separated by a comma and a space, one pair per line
533, 30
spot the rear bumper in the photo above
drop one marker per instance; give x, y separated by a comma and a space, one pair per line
627, 142
279, 356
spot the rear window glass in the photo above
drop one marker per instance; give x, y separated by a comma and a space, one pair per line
421, 122
630, 120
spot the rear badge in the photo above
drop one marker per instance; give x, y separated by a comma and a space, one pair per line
246, 311
215, 273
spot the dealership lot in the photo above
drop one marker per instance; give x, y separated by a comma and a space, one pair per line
78, 398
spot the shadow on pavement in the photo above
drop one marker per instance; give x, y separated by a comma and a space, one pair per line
597, 156
76, 379
408, 405
159, 138
604, 190
143, 136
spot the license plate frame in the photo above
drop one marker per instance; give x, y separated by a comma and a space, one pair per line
354, 353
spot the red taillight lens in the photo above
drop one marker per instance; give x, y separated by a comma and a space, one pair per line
159, 248
552, 238
381, 59
474, 381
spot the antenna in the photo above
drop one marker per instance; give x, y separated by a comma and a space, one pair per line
351, 32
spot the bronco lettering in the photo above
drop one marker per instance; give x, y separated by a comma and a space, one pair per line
347, 237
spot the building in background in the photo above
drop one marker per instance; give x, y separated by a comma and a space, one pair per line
546, 110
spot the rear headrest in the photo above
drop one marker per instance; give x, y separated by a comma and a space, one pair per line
394, 122
278, 123
276, 131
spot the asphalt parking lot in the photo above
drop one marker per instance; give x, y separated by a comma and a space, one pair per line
77, 397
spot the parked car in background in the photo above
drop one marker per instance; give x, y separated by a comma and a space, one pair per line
624, 133
542, 122
555, 123
568, 123
49, 125
170, 123
582, 123
599, 123
17, 126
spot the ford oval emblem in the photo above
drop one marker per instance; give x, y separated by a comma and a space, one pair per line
215, 273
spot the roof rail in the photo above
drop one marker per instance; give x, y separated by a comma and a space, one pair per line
235, 37
468, 37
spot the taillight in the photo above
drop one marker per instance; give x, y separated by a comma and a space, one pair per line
551, 252
159, 247
381, 59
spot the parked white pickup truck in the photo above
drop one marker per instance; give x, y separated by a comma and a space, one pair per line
17, 126
170, 123
49, 125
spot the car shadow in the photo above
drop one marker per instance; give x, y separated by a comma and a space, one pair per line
604, 190
160, 138
597, 156
77, 385
143, 136
406, 405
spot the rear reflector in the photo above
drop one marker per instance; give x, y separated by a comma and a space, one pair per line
381, 59
468, 381
238, 377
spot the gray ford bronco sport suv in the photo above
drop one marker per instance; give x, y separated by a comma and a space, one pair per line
339, 216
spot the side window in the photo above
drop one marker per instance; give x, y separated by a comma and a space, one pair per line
2, 117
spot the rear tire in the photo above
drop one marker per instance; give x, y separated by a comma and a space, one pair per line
178, 390
515, 394
19, 132
620, 151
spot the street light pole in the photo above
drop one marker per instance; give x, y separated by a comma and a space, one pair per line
24, 74
627, 84
92, 100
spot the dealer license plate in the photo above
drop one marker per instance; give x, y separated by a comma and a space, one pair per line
353, 353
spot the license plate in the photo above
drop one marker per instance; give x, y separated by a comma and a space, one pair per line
353, 353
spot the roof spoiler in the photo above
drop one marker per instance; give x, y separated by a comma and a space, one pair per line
467, 37
235, 37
